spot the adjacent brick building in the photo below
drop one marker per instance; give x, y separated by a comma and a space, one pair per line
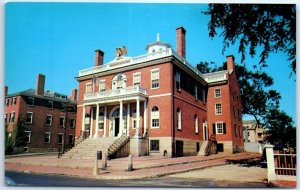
168, 106
42, 114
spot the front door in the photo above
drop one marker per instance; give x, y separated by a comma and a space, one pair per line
117, 127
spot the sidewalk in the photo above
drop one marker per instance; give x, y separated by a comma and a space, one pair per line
144, 167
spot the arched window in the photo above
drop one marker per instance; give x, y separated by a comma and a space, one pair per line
196, 124
119, 81
155, 117
178, 118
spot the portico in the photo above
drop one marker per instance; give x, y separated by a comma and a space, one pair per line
113, 111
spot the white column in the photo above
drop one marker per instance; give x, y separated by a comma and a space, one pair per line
137, 117
145, 117
270, 162
121, 119
105, 115
128, 119
97, 121
91, 121
83, 119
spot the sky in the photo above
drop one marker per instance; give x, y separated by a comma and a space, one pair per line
59, 39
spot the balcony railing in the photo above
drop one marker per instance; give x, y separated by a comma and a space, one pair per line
117, 92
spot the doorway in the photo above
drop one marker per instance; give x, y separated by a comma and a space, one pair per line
179, 148
117, 126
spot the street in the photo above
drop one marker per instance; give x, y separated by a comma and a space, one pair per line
39, 180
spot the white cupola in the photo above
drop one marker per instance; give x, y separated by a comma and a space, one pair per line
157, 46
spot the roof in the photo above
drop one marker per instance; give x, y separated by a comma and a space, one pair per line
158, 43
47, 96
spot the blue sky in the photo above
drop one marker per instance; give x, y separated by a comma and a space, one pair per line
59, 39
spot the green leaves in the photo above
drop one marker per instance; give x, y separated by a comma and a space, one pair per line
269, 26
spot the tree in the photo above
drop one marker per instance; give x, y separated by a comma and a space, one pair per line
269, 26
260, 101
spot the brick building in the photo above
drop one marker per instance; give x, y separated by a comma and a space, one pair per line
167, 106
42, 115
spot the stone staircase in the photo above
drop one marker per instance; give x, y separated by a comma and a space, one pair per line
87, 148
203, 148
117, 145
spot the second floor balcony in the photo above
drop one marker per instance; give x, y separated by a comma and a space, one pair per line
116, 94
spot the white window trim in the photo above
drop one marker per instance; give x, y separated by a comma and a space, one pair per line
215, 94
14, 101
178, 114
29, 136
217, 109
58, 138
10, 117
133, 77
133, 118
49, 133
178, 78
154, 116
74, 123
7, 102
50, 120
151, 146
196, 92
31, 117
101, 82
86, 84
152, 71
64, 122
216, 125
196, 125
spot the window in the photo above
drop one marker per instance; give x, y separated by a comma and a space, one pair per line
196, 124
155, 79
101, 120
29, 117
239, 114
240, 131
102, 86
71, 139
47, 137
178, 119
134, 118
217, 93
49, 120
177, 75
154, 145
14, 101
220, 129
30, 101
50, 104
5, 118
155, 117
136, 79
233, 95
27, 136
62, 122
235, 130
218, 109
234, 114
196, 92
88, 88
12, 117
60, 138
72, 123
7, 102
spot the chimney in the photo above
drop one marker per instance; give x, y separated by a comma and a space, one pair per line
74, 95
230, 62
180, 41
5, 90
40, 84
99, 57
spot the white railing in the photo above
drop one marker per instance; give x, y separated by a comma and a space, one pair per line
126, 62
116, 92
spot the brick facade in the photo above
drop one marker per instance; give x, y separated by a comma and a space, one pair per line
33, 111
175, 100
